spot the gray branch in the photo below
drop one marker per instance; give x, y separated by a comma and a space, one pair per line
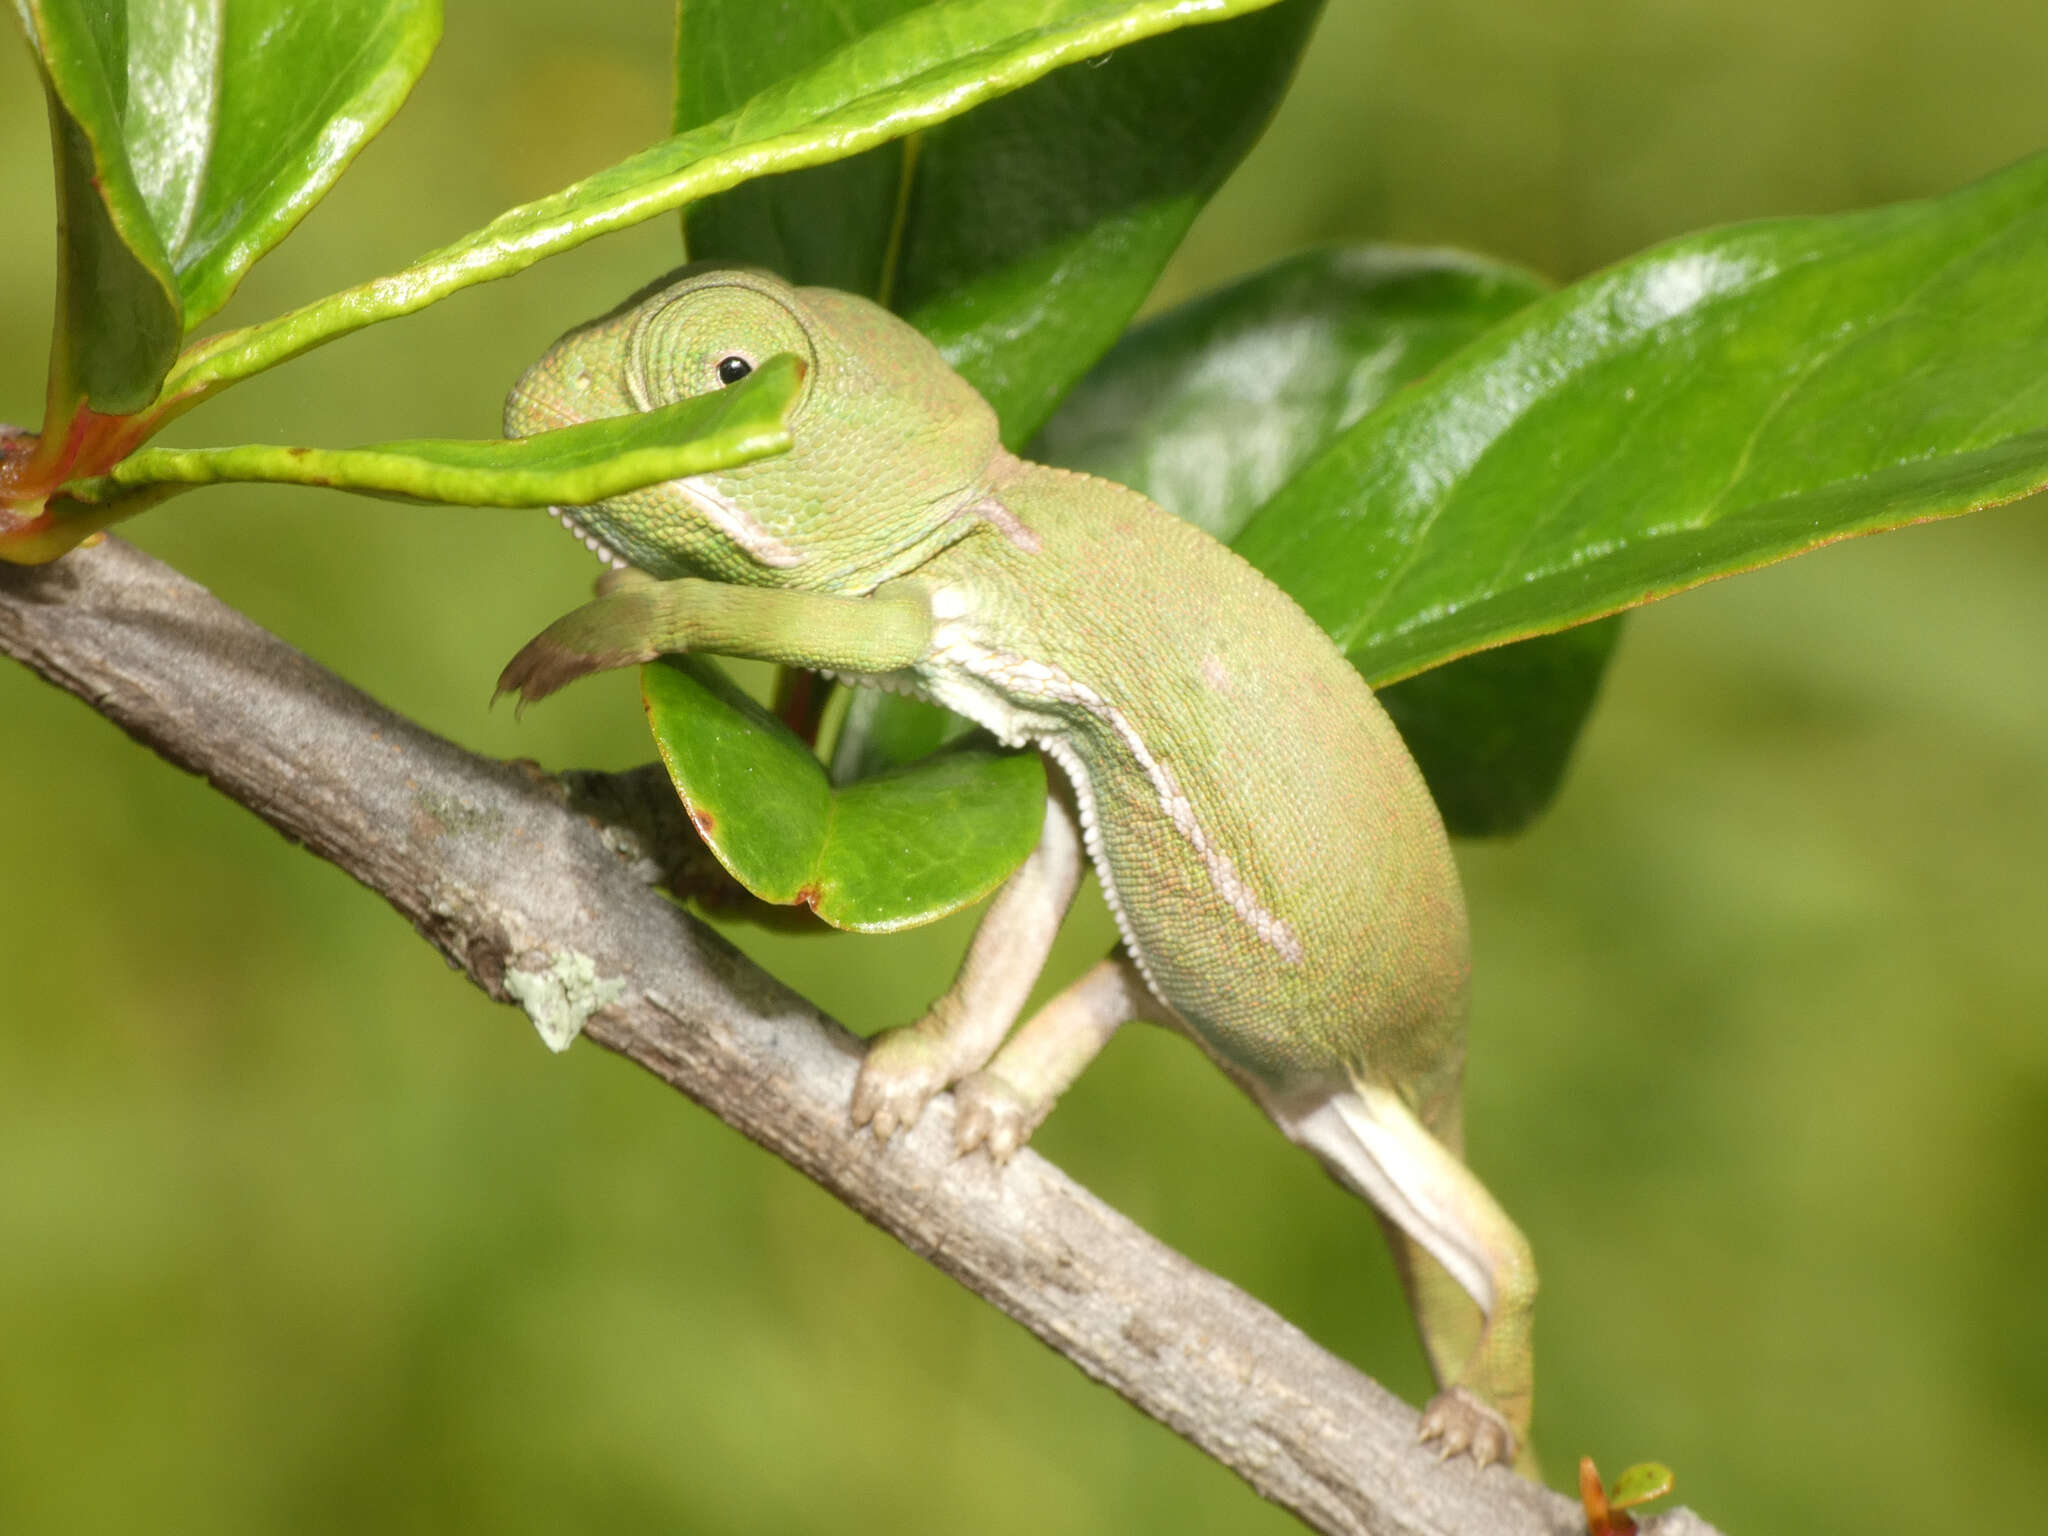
543, 900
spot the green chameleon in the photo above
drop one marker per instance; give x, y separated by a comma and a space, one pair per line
1277, 869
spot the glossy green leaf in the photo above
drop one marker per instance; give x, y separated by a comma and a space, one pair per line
1021, 237
882, 730
930, 65
1211, 407
569, 466
830, 225
282, 95
1036, 226
1493, 733
891, 852
1726, 400
119, 316
192, 135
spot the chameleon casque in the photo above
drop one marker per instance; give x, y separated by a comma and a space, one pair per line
1277, 868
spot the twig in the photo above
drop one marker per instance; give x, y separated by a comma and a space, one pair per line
547, 898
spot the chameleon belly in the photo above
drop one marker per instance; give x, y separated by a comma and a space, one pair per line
1275, 862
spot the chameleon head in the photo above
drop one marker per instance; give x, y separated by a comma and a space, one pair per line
890, 445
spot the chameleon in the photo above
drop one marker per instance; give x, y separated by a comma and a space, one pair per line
1280, 877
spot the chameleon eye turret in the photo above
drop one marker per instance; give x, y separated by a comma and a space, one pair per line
709, 333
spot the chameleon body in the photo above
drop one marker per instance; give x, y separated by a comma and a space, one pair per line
1280, 875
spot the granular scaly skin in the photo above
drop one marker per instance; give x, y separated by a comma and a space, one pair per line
1279, 872
1290, 769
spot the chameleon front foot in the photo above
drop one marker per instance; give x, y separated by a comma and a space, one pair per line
615, 631
903, 1069
1456, 1421
906, 1067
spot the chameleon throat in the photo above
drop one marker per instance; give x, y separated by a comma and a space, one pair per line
590, 540
735, 524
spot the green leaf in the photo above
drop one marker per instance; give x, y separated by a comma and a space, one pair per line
191, 136
264, 104
1494, 732
1022, 270
1212, 406
570, 466
926, 67
883, 730
119, 318
828, 226
1729, 399
890, 852
1644, 1481
1036, 226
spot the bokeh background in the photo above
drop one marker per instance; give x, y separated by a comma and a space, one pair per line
297, 1232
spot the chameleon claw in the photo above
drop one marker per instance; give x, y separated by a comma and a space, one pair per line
897, 1079
544, 666
1458, 1422
992, 1115
537, 671
970, 1130
617, 630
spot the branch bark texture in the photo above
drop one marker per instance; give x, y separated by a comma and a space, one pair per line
547, 897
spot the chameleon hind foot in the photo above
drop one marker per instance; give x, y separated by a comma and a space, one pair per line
994, 1115
1001, 1105
1457, 1421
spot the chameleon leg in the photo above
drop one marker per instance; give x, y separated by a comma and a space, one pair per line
906, 1066
1451, 1232
641, 621
1452, 1329
1003, 1103
1448, 1320
623, 578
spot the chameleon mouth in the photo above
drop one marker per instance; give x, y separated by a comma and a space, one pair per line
590, 540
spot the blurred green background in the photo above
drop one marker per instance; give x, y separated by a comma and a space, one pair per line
299, 1232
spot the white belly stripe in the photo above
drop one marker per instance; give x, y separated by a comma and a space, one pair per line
1022, 677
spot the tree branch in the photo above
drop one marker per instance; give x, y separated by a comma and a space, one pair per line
538, 900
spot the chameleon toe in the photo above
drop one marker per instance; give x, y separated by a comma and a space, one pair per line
991, 1115
1457, 1422
541, 668
897, 1079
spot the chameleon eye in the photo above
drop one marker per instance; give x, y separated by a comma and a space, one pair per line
708, 333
